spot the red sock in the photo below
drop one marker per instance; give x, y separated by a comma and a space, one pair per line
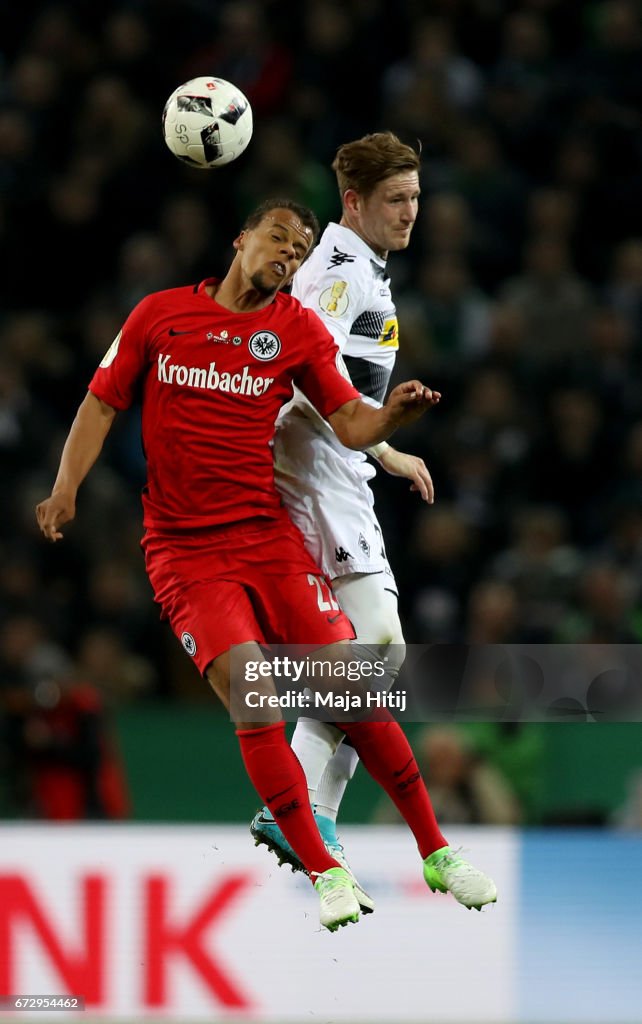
388, 757
278, 778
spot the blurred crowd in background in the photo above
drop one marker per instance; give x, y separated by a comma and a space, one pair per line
520, 299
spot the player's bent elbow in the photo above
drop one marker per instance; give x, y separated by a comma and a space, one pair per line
351, 439
352, 425
340, 423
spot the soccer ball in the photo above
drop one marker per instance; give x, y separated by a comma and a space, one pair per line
207, 122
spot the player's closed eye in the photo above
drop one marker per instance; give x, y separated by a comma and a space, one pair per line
299, 251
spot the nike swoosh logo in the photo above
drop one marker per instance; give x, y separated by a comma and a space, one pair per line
172, 333
269, 799
333, 618
405, 768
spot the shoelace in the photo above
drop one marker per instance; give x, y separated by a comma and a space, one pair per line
332, 888
336, 851
334, 848
450, 859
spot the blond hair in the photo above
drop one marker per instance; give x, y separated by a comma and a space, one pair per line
362, 164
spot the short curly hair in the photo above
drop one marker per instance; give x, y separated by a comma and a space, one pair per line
304, 213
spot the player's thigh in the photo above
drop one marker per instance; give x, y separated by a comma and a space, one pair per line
292, 600
241, 680
333, 507
372, 607
211, 617
373, 610
299, 608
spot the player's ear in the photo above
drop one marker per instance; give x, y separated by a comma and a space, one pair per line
238, 242
351, 200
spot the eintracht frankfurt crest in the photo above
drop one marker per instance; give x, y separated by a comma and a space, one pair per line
265, 345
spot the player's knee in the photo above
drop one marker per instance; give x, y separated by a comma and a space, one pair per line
395, 654
373, 611
391, 647
323, 735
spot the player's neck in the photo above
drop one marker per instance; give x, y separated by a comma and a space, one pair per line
232, 294
348, 222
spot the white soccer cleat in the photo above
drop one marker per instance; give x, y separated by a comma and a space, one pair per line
338, 904
444, 871
366, 902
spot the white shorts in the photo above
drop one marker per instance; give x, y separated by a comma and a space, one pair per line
328, 497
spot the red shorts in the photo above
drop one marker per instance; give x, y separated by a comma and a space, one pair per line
249, 581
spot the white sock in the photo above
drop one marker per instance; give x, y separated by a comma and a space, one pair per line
314, 743
339, 770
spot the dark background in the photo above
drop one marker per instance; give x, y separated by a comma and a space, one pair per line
520, 298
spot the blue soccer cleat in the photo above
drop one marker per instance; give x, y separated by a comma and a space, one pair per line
266, 832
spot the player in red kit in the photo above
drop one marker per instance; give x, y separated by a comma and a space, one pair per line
213, 364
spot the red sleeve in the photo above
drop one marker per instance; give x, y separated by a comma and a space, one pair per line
115, 381
319, 379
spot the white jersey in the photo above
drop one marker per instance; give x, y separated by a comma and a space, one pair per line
346, 284
324, 484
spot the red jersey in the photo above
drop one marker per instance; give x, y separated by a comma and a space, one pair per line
212, 384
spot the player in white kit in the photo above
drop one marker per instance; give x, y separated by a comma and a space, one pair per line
325, 485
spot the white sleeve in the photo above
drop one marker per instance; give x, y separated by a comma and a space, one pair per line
334, 296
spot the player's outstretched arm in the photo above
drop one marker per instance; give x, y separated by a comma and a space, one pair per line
82, 447
359, 426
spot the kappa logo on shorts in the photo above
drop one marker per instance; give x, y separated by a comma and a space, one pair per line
189, 643
265, 345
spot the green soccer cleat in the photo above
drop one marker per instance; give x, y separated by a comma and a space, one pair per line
266, 832
338, 904
365, 901
444, 871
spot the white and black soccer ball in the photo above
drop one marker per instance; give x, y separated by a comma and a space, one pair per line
207, 122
